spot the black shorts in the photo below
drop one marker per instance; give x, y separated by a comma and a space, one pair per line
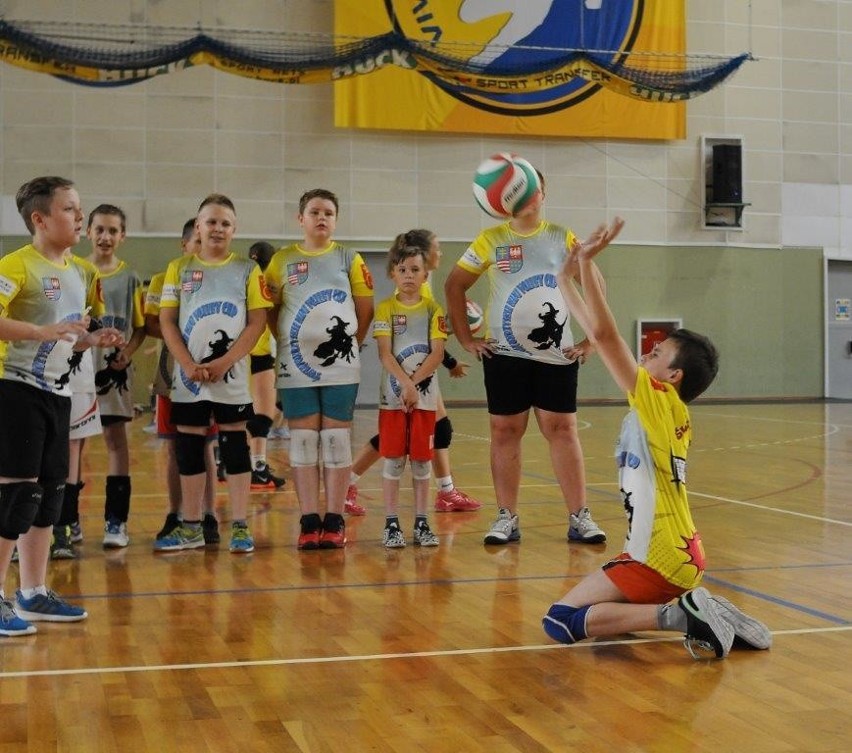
514, 385
262, 363
34, 427
111, 420
200, 413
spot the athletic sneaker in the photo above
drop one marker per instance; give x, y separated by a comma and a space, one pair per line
423, 535
583, 529
241, 540
172, 522
333, 534
263, 478
48, 607
210, 529
115, 534
748, 632
76, 532
351, 506
60, 547
504, 529
706, 628
455, 500
309, 535
279, 432
180, 538
392, 537
10, 622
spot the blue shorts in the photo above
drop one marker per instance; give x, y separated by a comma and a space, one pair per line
335, 401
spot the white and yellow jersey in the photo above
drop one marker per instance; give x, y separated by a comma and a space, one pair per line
651, 457
526, 314
213, 300
36, 290
317, 323
412, 328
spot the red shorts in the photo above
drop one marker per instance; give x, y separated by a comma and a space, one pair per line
640, 583
165, 428
411, 434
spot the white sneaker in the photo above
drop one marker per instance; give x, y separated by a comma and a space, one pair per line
115, 534
392, 537
582, 528
504, 529
746, 628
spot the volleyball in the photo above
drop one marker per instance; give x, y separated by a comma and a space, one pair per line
474, 316
504, 184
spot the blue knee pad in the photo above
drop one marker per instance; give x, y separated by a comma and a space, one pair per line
234, 451
566, 624
189, 453
51, 503
19, 504
443, 433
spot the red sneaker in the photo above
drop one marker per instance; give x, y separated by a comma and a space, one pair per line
333, 539
455, 501
351, 505
309, 540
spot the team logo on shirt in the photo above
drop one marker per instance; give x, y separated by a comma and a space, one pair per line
51, 287
399, 323
191, 279
297, 272
510, 259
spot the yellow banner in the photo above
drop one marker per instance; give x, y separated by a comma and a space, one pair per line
505, 40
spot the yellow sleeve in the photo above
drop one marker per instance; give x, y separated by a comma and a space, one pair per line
360, 278
382, 319
438, 326
152, 296
273, 275
170, 297
476, 258
12, 278
139, 307
257, 294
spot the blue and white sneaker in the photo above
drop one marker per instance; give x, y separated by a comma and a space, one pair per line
49, 607
10, 622
115, 534
180, 538
241, 540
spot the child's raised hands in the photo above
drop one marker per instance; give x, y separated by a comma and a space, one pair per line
597, 241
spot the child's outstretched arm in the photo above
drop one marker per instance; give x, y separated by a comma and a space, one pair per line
602, 327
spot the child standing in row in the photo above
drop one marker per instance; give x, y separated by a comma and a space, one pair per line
212, 310
44, 301
323, 305
410, 332
122, 291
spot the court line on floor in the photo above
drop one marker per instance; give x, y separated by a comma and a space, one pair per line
374, 657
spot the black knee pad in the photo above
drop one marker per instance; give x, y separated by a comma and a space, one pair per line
374, 442
51, 503
259, 425
234, 450
19, 503
443, 433
189, 453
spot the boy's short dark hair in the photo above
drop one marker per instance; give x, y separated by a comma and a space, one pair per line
318, 193
35, 196
219, 200
109, 209
698, 359
188, 230
397, 255
262, 252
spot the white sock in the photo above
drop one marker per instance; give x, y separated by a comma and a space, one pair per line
445, 483
353, 478
28, 593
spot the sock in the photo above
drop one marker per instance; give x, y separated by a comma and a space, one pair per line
353, 477
420, 520
671, 617
192, 525
391, 520
258, 462
28, 593
445, 483
310, 522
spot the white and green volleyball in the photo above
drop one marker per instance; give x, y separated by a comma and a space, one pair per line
505, 184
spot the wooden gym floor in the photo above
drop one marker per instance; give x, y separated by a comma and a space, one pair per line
442, 650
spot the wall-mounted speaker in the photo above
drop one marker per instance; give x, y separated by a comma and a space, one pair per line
727, 173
